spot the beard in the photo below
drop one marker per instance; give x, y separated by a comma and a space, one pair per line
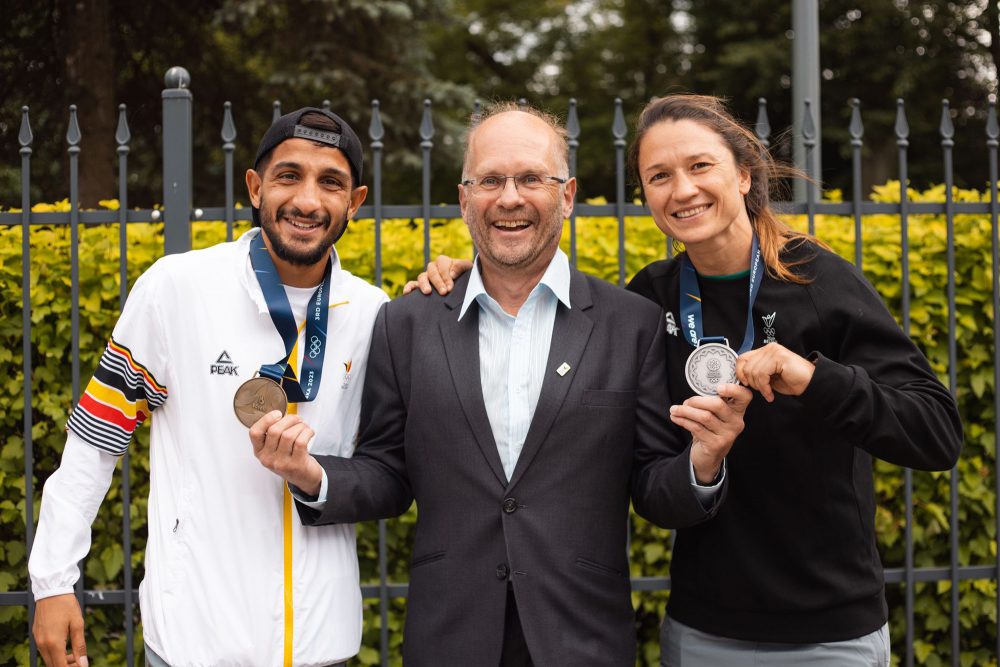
548, 231
300, 254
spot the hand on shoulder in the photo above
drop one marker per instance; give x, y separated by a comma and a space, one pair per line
439, 275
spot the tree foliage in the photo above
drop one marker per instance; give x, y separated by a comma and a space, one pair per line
551, 52
875, 51
455, 51
252, 53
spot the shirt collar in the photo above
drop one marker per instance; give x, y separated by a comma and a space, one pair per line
555, 278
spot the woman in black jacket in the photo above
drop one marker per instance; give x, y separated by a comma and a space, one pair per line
788, 569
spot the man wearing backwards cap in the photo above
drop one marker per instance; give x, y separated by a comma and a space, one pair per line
232, 578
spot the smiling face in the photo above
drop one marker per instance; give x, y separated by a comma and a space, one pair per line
515, 230
305, 199
694, 188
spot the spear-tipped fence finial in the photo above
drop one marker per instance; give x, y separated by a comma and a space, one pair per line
902, 128
122, 133
24, 135
856, 128
947, 128
572, 125
228, 133
762, 128
477, 112
618, 128
73, 135
426, 124
808, 125
375, 129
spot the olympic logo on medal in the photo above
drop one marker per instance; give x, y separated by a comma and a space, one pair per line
315, 347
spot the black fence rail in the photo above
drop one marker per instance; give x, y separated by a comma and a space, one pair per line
178, 212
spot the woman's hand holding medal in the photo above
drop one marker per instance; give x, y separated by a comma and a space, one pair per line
774, 368
714, 423
281, 444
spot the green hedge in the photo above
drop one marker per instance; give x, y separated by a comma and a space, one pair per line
597, 248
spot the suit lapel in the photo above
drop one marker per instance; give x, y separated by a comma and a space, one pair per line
461, 347
570, 334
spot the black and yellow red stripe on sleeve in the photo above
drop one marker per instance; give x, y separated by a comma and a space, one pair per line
120, 396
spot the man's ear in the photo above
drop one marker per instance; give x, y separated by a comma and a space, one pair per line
569, 195
358, 195
461, 199
253, 187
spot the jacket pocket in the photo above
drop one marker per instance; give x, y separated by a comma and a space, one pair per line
173, 545
594, 566
608, 398
426, 559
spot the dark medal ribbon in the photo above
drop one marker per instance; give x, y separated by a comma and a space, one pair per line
306, 389
691, 301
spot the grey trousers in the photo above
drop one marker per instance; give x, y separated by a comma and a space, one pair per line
153, 660
683, 646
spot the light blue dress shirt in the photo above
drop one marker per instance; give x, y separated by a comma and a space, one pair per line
517, 351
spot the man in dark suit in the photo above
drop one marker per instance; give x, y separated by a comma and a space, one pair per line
521, 412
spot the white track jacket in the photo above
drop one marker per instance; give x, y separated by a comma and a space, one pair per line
232, 577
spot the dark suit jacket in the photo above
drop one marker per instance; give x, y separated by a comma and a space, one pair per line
557, 531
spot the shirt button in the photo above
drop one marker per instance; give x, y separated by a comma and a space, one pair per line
502, 571
509, 505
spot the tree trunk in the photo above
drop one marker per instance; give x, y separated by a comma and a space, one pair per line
878, 167
91, 86
993, 25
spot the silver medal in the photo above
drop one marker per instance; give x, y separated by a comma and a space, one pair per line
710, 365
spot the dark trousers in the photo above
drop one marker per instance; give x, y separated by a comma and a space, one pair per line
515, 648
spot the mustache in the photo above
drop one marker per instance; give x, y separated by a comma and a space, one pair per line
520, 213
293, 212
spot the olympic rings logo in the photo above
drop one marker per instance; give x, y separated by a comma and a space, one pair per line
315, 347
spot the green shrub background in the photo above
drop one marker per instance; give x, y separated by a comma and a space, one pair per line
597, 243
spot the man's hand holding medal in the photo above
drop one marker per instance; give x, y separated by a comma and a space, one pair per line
281, 444
713, 422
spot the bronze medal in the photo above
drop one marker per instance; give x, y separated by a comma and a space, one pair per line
256, 397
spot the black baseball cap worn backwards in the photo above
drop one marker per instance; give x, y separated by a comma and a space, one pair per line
288, 127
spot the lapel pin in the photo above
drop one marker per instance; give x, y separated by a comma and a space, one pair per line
562, 370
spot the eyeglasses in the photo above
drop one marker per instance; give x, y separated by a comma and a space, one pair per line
495, 183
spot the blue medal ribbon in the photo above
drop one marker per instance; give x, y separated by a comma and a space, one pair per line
281, 314
691, 300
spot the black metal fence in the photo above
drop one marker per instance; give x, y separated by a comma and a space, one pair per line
178, 212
